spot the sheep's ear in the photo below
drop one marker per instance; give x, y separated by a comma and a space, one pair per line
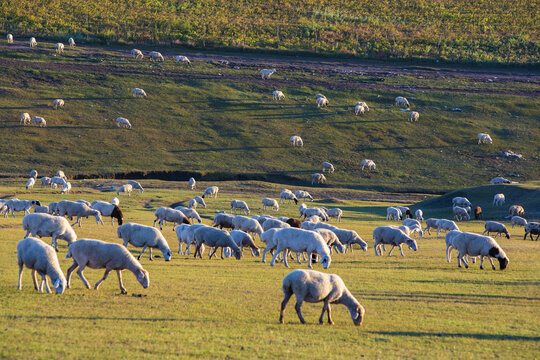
141, 274
493, 252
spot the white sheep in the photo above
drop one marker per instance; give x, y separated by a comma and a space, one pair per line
499, 180
320, 212
191, 183
107, 209
272, 203
58, 103
20, 205
393, 213
387, 235
239, 204
123, 122
61, 175
243, 239
484, 138
419, 215
318, 178
59, 48
322, 101
212, 191
314, 286
156, 56
532, 228
9, 38
136, 185
137, 54
115, 201
189, 213
56, 180
138, 92
496, 227
126, 188
34, 174
267, 237
346, 237
299, 240
516, 220
171, 215
215, 238
30, 184
45, 181
516, 210
447, 225
71, 42
145, 237
199, 200
412, 223
326, 166
370, 164
97, 254
80, 210
402, 102
287, 194
461, 201
335, 213
223, 220
460, 213
33, 42
45, 225
273, 224
301, 194
25, 119
192, 204
53, 208
247, 225
413, 116
44, 209
296, 141
331, 239
66, 188
183, 59
39, 121
185, 234
498, 200
41, 258
431, 223
360, 108
266, 73
278, 95
476, 245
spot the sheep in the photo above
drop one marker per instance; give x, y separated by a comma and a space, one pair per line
123, 122
39, 121
287, 194
136, 185
185, 233
360, 108
484, 139
278, 95
156, 56
126, 188
314, 219
41, 258
192, 204
299, 240
477, 212
314, 286
33, 42
171, 215
498, 200
59, 48
414, 225
183, 59
66, 188
97, 254
461, 201
191, 183
405, 211
212, 191
61, 175
272, 203
137, 54
402, 102
331, 239
80, 210
53, 208
391, 236
294, 222
322, 101
145, 237
56, 180
419, 215
318, 178
215, 238
496, 227
347, 237
49, 225
335, 213
499, 180
200, 201
247, 225
266, 73
301, 194
45, 181
30, 184
413, 116
274, 223
393, 213
189, 213
532, 228
138, 92
9, 38
44, 209
83, 202
107, 209
58, 103
447, 225
516, 210
25, 119
516, 220
71, 42
308, 212
460, 213
326, 166
370, 164
476, 245
239, 204
20, 205
115, 201
267, 237
242, 239
296, 141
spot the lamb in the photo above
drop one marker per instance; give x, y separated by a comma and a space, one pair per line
45, 181
49, 225
41, 258
58, 103
138, 92
476, 245
296, 141
326, 166
33, 42
419, 215
516, 220
318, 178
59, 48
183, 59
239, 204
212, 191
360, 108
461, 201
532, 228
460, 213
20, 205
498, 200
66, 188
273, 224
123, 122
39, 121
322, 101
156, 56
9, 38
273, 204
97, 254
136, 185
484, 139
413, 116
516, 210
190, 213
299, 240
191, 183
200, 201
217, 239
137, 54
499, 180
44, 209
294, 222
496, 227
266, 73
171, 215
107, 209
30, 184
25, 119
242, 239
314, 286
145, 237
301, 194
247, 225
287, 194
80, 210
477, 212
393, 213
71, 42
115, 201
335, 213
126, 188
402, 102
370, 164
447, 225
391, 236
186, 233
278, 95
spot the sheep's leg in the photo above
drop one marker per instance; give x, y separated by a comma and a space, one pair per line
122, 288
264, 254
285, 255
27, 233
34, 280
274, 258
150, 253
70, 270
139, 257
221, 252
154, 225
390, 252
287, 295
448, 253
180, 247
400, 250
309, 261
55, 243
298, 258
491, 262
81, 275
103, 278
212, 253
19, 284
44, 280
298, 307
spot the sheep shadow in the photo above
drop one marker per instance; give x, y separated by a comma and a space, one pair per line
458, 335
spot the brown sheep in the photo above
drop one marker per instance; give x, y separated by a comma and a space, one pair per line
477, 212
294, 222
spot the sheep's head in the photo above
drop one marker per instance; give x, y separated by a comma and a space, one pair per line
59, 285
357, 314
295, 201
144, 278
185, 220
167, 254
237, 253
325, 261
501, 256
36, 202
411, 243
507, 235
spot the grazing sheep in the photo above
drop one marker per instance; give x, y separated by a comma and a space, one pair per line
30, 184
247, 225
61, 175
516, 210
49, 225
126, 188
301, 194
370, 164
287, 194
138, 92
405, 211
53, 208
419, 215
314, 219
516, 220
447, 225
183, 59
499, 180
335, 213
33, 174
322, 101
320, 212
9, 38
80, 210
477, 212
318, 178
39, 121
191, 183
107, 209
496, 227
145, 237
43, 209
498, 200
266, 73
198, 200
71, 42
387, 235
294, 222
58, 103
242, 239
360, 108
45, 181
413, 116
97, 254
267, 237
239, 204
212, 191
299, 240
190, 213
19, 205
66, 188
431, 223
136, 185
215, 238
314, 286
476, 245
460, 213
123, 122
532, 228
156, 56
33, 42
326, 166
59, 48
393, 213
461, 202
171, 215
278, 95
272, 203
186, 233
414, 224
296, 141
223, 220
402, 102
331, 239
274, 223
41, 258
137, 54
484, 139
25, 119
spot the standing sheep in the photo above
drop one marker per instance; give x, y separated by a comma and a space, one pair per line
299, 240
370, 164
413, 116
477, 245
322, 101
460, 213
516, 210
301, 194
66, 188
145, 237
477, 212
447, 225
183, 59
247, 225
39, 121
239, 204
199, 200
217, 239
273, 204
360, 108
532, 228
30, 184
519, 221
58, 103
136, 185
484, 139
123, 122
9, 38
189, 213
498, 200
266, 73
296, 141
496, 227
387, 235
171, 215
33, 42
335, 213
243, 239
287, 194
393, 213
156, 56
41, 225
45, 181
71, 42
137, 54
138, 92
212, 191
59, 48
20, 205
191, 183
107, 209
278, 95
402, 102
419, 215
126, 188
318, 178
80, 210
326, 166
25, 119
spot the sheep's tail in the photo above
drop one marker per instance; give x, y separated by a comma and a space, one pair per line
68, 255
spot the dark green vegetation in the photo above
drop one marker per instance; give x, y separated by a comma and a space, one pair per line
484, 31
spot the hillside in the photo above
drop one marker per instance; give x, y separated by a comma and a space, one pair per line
219, 121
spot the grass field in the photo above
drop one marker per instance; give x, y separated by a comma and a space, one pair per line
418, 306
